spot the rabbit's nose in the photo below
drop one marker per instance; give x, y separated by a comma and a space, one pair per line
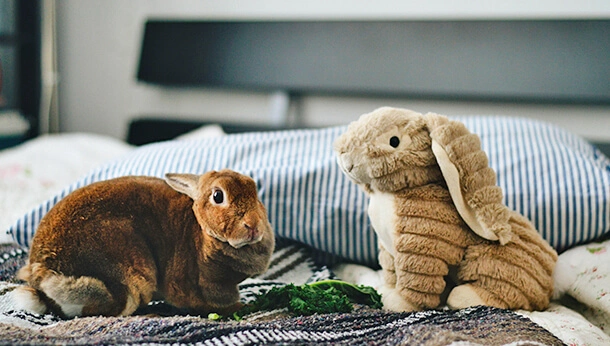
253, 232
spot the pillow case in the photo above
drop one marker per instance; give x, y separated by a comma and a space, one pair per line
553, 177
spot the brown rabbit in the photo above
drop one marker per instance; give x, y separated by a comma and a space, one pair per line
108, 247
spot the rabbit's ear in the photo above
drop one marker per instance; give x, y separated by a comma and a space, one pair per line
184, 183
470, 180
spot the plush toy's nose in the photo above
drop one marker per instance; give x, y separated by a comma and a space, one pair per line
351, 169
348, 165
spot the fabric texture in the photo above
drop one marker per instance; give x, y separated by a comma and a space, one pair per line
583, 274
41, 167
160, 324
477, 326
553, 177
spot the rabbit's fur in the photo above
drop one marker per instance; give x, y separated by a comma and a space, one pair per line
109, 247
436, 209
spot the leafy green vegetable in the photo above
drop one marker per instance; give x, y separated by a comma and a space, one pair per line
213, 316
321, 297
359, 294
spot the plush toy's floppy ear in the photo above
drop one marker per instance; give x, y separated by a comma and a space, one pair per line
470, 180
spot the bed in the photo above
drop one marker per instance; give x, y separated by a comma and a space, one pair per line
557, 179
332, 240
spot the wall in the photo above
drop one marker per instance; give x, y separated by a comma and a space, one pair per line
99, 42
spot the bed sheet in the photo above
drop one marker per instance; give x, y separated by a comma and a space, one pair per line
34, 171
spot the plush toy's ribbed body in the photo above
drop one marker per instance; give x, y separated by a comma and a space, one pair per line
437, 210
430, 237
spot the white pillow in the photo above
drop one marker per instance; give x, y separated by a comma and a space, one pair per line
551, 176
205, 131
36, 170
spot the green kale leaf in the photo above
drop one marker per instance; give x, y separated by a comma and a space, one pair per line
321, 297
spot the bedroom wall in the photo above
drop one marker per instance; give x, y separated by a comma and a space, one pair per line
99, 41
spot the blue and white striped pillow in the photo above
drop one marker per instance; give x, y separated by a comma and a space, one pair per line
551, 176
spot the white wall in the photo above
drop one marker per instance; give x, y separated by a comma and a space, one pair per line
99, 43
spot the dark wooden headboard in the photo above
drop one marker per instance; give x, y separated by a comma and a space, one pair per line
541, 61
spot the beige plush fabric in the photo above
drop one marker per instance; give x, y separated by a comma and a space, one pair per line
437, 210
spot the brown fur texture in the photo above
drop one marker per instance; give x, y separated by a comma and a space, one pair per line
109, 247
432, 222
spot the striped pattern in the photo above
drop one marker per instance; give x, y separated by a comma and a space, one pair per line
551, 176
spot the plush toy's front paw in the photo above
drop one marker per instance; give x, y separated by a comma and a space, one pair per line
359, 275
393, 301
464, 296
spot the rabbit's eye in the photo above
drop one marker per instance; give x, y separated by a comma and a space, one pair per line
218, 197
394, 141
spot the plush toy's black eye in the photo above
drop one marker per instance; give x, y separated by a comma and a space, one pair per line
218, 196
394, 141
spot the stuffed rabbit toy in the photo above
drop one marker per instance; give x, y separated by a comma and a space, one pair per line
436, 209
108, 247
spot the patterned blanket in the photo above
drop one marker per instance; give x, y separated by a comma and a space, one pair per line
160, 324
